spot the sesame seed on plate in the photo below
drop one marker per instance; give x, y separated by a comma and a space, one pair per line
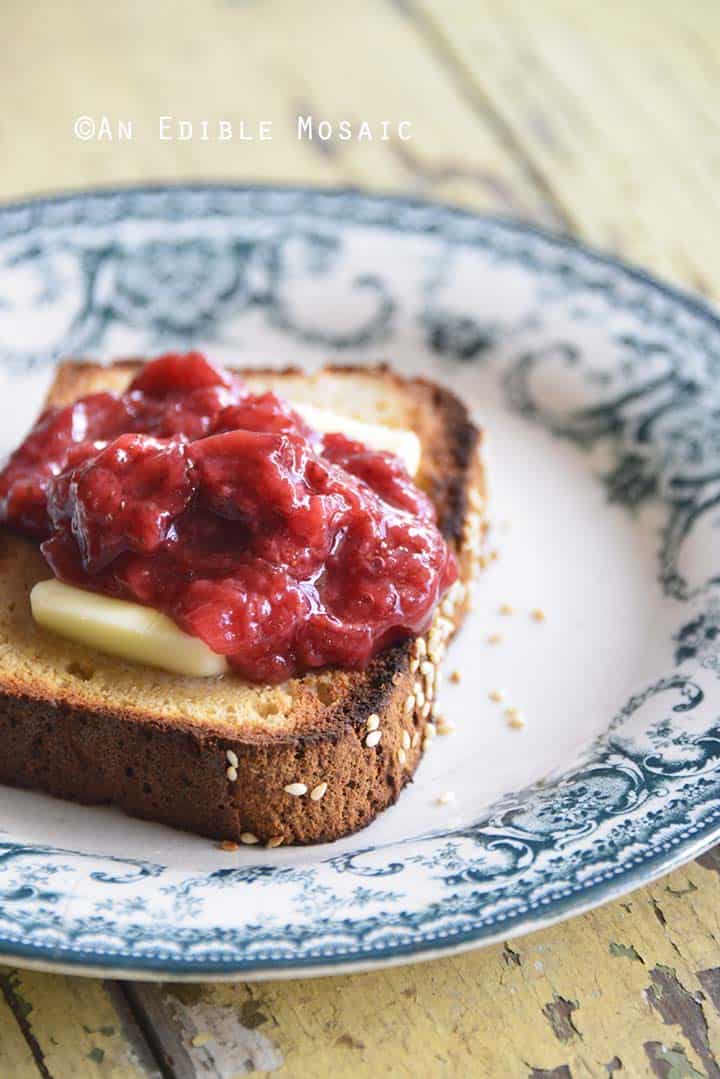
538, 614
496, 695
505, 608
445, 797
373, 722
373, 738
275, 841
232, 758
249, 839
229, 844
494, 638
318, 792
515, 718
231, 773
443, 727
455, 676
296, 789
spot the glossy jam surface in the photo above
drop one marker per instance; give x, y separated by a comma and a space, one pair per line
282, 549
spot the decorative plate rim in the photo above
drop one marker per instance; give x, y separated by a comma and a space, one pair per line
641, 869
92, 963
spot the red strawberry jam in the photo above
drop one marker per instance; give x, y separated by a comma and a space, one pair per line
281, 549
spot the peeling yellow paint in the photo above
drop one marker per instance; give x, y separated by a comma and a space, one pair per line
15, 1055
74, 1024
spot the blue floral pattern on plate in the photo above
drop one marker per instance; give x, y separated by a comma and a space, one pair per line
157, 267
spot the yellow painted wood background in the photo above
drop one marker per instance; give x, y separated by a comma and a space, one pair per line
602, 120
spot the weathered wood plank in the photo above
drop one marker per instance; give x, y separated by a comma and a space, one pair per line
74, 1027
616, 109
256, 61
16, 1056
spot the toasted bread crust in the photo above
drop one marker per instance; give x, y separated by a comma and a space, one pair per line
73, 745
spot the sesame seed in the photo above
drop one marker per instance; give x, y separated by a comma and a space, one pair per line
425, 710
401, 755
373, 722
231, 773
406, 739
249, 839
229, 844
515, 718
443, 727
296, 789
373, 738
427, 742
420, 698
396, 678
538, 614
427, 668
232, 758
494, 638
494, 555
318, 792
415, 742
409, 703
430, 730
414, 664
496, 695
417, 688
275, 841
455, 676
505, 608
445, 797
421, 646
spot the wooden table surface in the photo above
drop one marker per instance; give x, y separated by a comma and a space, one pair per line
600, 120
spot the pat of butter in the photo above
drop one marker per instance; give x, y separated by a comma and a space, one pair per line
127, 630
405, 444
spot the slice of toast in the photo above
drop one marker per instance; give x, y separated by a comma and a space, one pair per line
86, 726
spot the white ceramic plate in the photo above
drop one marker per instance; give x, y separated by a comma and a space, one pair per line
598, 390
